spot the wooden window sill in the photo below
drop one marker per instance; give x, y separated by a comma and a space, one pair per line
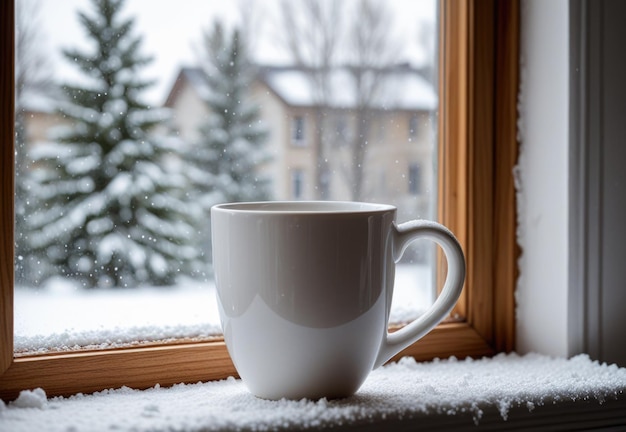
507, 391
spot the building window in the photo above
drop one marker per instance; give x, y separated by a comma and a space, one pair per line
415, 179
298, 137
341, 130
413, 126
297, 184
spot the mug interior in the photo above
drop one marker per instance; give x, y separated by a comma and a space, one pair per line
305, 207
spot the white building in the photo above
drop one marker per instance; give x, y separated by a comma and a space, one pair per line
308, 130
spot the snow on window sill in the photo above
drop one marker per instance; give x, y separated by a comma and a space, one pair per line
502, 392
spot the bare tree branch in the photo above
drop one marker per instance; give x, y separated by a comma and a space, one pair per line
32, 67
372, 53
312, 37
325, 37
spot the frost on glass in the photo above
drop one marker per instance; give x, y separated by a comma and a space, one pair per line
128, 130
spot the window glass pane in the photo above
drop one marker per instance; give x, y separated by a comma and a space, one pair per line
134, 117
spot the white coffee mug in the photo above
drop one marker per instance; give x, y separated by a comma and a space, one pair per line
304, 292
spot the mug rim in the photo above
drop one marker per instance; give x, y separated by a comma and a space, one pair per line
303, 207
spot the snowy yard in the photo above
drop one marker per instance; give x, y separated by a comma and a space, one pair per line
60, 316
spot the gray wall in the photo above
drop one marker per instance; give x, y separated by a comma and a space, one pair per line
597, 226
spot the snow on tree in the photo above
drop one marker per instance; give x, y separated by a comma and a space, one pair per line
112, 205
228, 157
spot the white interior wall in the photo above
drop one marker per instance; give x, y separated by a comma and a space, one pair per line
542, 176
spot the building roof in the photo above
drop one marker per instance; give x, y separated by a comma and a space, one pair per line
400, 87
195, 77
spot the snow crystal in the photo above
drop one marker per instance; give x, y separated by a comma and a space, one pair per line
458, 393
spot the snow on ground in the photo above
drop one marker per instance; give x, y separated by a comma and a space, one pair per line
508, 391
61, 316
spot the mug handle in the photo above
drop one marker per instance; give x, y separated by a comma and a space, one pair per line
402, 235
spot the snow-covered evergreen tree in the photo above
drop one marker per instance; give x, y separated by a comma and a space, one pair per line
111, 213
228, 158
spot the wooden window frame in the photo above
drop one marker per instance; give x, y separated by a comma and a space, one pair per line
478, 88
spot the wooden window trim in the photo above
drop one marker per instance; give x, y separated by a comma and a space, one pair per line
479, 71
